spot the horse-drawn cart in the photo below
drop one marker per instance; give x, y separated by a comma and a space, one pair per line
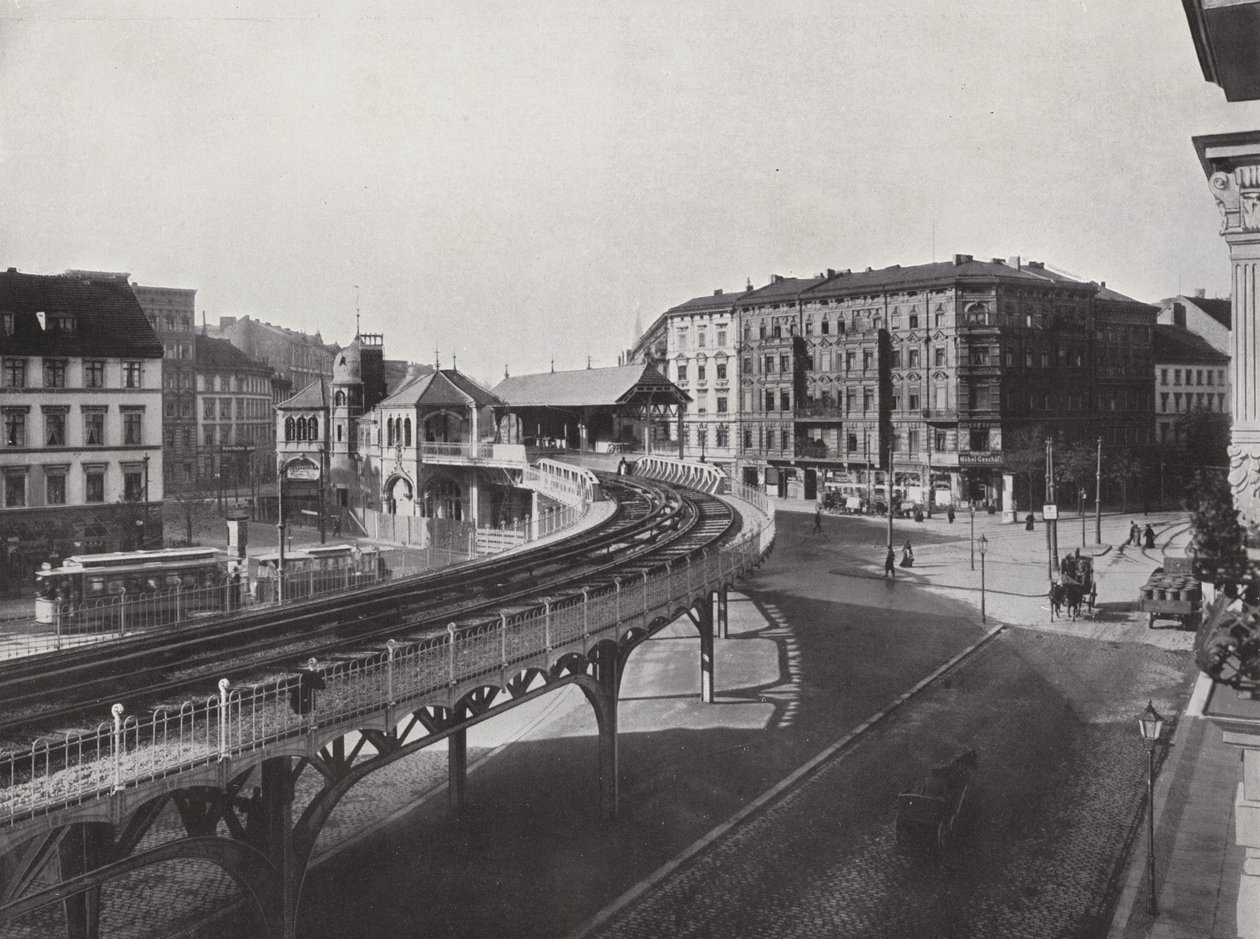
926, 815
1172, 592
1075, 588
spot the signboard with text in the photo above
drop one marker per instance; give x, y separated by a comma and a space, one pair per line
1050, 512
303, 471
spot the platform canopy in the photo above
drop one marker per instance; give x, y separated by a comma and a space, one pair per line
588, 406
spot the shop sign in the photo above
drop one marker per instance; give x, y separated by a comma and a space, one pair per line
302, 471
980, 458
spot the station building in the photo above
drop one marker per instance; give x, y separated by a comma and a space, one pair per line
81, 402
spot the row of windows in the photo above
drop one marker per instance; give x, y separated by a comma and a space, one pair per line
301, 428
702, 371
171, 323
15, 486
247, 383
1206, 400
18, 429
246, 408
1193, 376
15, 374
702, 336
228, 434
62, 322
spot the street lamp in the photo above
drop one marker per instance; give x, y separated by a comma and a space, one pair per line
984, 545
1151, 725
973, 536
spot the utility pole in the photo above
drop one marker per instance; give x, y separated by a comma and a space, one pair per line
889, 487
1098, 497
280, 534
1052, 545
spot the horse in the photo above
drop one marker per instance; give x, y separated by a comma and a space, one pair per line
1057, 594
1067, 594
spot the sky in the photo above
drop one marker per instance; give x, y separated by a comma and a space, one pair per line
508, 184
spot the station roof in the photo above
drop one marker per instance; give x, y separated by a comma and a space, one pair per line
591, 387
444, 387
1177, 344
313, 397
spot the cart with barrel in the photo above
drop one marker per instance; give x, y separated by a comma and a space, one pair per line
1172, 592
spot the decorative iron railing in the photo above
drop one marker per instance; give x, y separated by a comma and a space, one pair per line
128, 750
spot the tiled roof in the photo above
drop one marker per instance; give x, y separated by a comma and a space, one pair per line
717, 301
444, 387
1177, 344
312, 397
938, 272
589, 387
219, 353
108, 319
778, 290
1220, 309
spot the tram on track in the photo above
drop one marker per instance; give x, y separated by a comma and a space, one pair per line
93, 586
317, 569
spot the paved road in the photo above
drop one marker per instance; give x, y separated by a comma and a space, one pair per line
812, 656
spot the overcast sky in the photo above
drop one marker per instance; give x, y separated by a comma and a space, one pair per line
514, 182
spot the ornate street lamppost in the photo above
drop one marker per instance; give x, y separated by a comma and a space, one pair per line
984, 545
973, 536
1151, 725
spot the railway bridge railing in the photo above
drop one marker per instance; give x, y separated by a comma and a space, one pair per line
346, 717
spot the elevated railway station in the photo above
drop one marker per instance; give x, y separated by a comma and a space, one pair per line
342, 688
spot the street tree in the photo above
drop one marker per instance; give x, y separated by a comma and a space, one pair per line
193, 505
1204, 437
1024, 453
1122, 465
1218, 544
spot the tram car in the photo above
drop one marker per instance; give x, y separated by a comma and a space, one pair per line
317, 569
89, 589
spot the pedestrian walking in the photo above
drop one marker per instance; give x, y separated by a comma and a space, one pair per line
1028, 522
950, 514
818, 519
1149, 535
1134, 535
890, 565
907, 555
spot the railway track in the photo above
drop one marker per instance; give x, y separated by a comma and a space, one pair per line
653, 524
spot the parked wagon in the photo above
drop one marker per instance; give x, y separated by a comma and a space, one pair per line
1172, 592
928, 813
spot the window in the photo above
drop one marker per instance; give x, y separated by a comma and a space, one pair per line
406, 432
769, 400
980, 440
10, 321
914, 358
785, 400
225, 409
721, 336
701, 373
208, 436
896, 358
54, 373
848, 361
914, 405
914, 320
312, 428
14, 428
938, 356
912, 441
93, 373
981, 357
868, 399
721, 371
54, 428
867, 359
721, 404
1163, 401
1210, 376
785, 363
15, 373
132, 421
133, 485
700, 338
186, 437
207, 408
682, 371
14, 490
94, 486
1176, 376
131, 374
939, 443
54, 488
94, 427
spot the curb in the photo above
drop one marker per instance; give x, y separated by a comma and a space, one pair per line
790, 781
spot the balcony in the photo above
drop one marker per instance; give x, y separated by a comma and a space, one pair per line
817, 451
468, 452
827, 411
940, 414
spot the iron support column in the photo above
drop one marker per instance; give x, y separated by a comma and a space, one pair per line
704, 622
723, 613
85, 847
457, 769
277, 794
608, 674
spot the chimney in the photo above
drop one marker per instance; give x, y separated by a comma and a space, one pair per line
776, 278
961, 259
1199, 293
1014, 261
226, 321
1036, 265
869, 269
13, 270
718, 292
1102, 284
998, 261
831, 272
1179, 314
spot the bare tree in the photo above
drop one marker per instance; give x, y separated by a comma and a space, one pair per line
192, 505
1024, 455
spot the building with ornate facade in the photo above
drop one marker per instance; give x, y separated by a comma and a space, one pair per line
929, 368
295, 357
1190, 376
235, 423
173, 315
696, 343
81, 402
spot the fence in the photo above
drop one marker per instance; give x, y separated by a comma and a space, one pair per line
128, 750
